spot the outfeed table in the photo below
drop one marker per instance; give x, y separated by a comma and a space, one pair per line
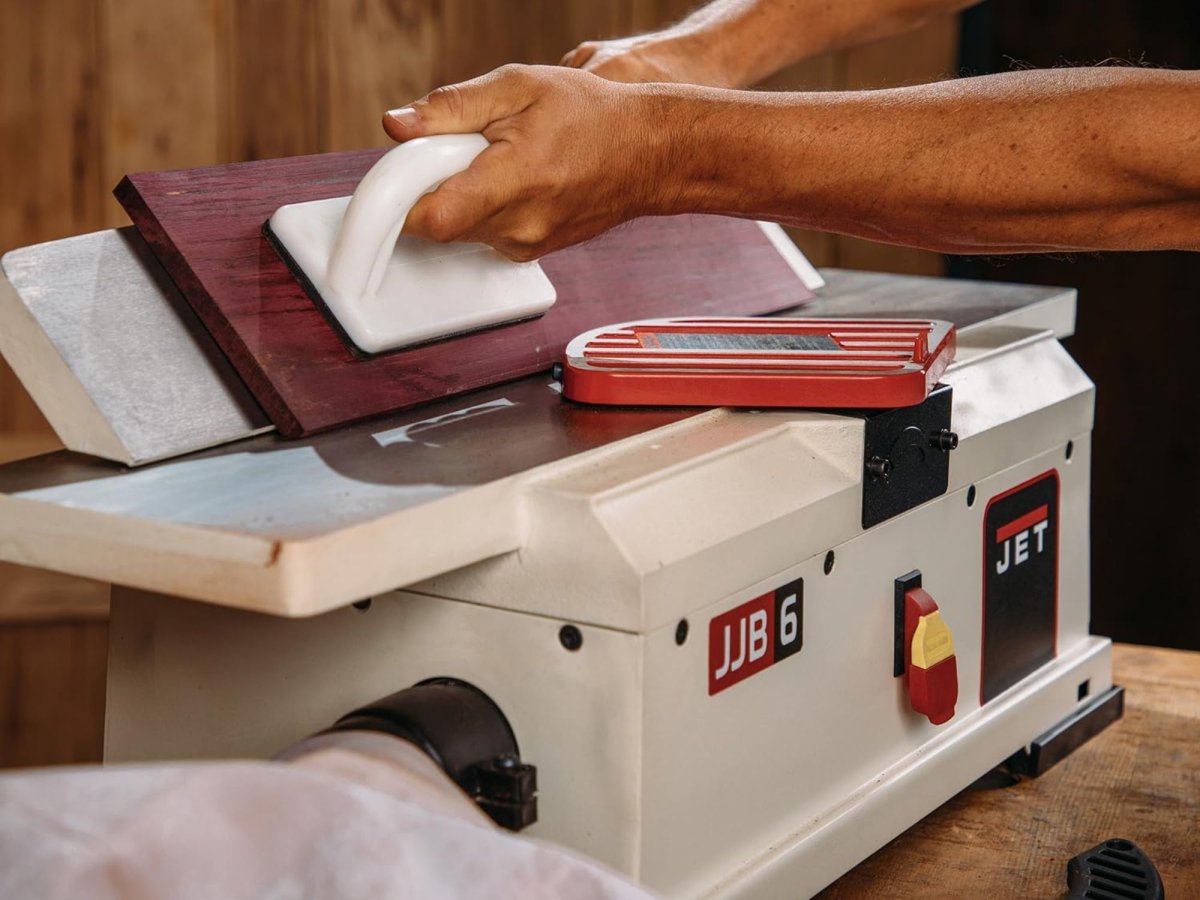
1139, 779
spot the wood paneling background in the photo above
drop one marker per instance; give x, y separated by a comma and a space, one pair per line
92, 89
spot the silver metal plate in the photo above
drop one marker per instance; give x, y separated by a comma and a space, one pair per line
113, 355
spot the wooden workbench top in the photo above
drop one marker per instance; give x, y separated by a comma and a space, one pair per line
1139, 780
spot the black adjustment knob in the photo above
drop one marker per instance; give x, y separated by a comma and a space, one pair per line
879, 467
944, 440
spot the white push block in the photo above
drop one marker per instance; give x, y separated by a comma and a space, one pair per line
389, 291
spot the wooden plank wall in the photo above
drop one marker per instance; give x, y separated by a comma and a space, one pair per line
92, 89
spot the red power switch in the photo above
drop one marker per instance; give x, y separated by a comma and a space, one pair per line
929, 658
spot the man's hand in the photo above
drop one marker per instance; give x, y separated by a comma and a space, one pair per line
571, 155
658, 56
738, 43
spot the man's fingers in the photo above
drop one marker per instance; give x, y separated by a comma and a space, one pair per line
461, 210
445, 215
577, 58
461, 108
457, 209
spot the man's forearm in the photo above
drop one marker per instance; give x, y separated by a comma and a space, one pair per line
1065, 159
1040, 160
752, 39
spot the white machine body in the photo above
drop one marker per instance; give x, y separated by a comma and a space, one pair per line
387, 290
650, 757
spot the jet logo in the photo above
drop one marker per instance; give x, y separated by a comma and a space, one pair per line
1022, 537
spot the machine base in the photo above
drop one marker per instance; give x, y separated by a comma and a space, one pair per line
824, 849
1070, 734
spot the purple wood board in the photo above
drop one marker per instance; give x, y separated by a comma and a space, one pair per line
205, 226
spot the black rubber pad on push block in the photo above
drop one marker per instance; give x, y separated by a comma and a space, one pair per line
1114, 870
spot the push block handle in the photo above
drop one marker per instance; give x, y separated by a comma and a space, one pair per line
381, 204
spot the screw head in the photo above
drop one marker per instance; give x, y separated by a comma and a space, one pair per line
570, 637
681, 632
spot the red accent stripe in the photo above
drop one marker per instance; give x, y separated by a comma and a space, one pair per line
805, 367
1004, 532
594, 348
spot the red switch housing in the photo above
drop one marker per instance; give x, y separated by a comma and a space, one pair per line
929, 660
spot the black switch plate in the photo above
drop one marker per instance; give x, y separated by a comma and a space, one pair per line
904, 584
903, 464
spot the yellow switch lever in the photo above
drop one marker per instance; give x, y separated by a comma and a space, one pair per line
932, 641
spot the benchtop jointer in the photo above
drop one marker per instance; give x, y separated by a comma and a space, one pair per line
299, 527
577, 565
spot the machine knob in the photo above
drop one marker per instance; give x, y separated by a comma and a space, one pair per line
944, 440
879, 467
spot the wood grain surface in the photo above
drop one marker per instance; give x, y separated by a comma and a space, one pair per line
52, 682
1139, 779
50, 183
205, 226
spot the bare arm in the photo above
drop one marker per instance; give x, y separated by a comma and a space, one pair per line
1079, 159
1082, 159
738, 43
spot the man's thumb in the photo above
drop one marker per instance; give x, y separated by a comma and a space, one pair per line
461, 108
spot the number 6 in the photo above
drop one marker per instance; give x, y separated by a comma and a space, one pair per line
789, 625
